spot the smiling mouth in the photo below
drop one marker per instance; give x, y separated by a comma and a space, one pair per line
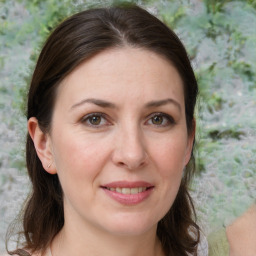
128, 191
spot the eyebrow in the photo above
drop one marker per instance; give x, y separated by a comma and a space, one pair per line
160, 103
98, 102
106, 104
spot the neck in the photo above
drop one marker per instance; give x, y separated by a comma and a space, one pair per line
73, 241
85, 236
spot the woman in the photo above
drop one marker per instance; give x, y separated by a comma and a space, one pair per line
111, 132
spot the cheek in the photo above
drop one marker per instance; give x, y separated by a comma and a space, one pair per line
78, 162
77, 157
170, 156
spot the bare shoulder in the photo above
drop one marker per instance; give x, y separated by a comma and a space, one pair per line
244, 225
241, 234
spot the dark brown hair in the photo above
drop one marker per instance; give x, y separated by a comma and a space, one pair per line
78, 38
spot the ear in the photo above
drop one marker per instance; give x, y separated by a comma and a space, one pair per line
42, 143
190, 143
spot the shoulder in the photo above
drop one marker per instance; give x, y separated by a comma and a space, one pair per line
241, 233
244, 224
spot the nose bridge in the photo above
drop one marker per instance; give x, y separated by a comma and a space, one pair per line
130, 148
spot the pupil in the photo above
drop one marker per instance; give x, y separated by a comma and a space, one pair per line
157, 120
95, 120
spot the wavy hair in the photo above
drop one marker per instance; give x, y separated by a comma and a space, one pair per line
75, 40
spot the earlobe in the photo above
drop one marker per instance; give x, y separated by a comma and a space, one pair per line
42, 144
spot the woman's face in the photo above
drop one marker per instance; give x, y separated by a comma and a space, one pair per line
119, 141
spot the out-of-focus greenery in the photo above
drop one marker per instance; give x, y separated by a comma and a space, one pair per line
220, 37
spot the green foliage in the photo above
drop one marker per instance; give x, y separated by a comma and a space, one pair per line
215, 6
172, 13
51, 13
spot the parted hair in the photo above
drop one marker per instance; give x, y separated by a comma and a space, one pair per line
75, 40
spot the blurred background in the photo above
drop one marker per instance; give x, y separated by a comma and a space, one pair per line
220, 37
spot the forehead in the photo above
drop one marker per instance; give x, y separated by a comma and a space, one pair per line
123, 72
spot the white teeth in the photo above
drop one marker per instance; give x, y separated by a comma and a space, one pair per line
119, 190
128, 191
134, 190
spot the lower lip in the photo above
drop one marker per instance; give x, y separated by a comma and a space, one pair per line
129, 199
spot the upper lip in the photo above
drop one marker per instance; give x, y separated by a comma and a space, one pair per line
127, 184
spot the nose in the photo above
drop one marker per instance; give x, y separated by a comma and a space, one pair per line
130, 149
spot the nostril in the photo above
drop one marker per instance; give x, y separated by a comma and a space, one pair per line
121, 164
130, 157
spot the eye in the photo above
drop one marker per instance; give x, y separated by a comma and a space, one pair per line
160, 119
95, 120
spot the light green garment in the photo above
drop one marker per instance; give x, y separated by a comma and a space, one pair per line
218, 243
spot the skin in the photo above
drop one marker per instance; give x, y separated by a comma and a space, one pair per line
126, 144
241, 234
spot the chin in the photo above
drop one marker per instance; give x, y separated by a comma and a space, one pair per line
132, 226
131, 232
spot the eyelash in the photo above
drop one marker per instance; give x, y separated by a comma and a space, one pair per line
167, 118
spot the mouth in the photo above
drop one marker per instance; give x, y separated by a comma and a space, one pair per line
128, 193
